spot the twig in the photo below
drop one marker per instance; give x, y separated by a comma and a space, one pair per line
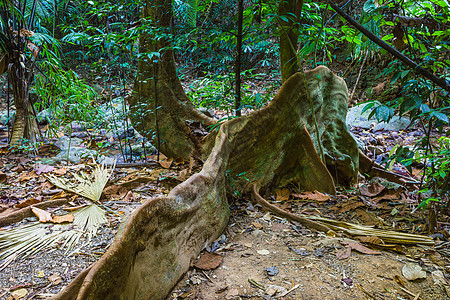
367, 293
357, 79
206, 275
416, 297
288, 292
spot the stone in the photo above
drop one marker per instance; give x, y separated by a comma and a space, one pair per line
355, 118
64, 142
75, 155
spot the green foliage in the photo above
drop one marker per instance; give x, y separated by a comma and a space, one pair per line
64, 94
217, 92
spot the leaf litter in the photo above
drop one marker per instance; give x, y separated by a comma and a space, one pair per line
255, 240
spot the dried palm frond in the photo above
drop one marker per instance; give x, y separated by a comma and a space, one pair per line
89, 186
31, 238
386, 235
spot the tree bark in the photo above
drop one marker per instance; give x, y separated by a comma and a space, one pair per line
159, 107
289, 36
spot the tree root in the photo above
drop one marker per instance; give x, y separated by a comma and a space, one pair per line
256, 197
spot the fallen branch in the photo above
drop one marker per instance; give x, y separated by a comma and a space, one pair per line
26, 212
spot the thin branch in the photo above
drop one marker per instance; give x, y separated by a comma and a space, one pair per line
406, 60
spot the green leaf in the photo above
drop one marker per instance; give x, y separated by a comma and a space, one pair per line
383, 113
440, 116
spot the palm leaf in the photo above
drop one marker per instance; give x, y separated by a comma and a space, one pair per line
89, 186
34, 237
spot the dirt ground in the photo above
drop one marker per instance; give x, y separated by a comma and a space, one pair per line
306, 264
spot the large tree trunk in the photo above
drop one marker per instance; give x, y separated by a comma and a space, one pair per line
272, 146
25, 125
160, 109
289, 36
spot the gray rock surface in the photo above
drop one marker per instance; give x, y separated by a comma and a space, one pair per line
75, 155
63, 142
355, 118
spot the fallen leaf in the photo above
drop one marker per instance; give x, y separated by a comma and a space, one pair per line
129, 197
413, 271
344, 253
183, 175
317, 196
27, 202
263, 252
25, 176
208, 261
348, 206
257, 225
55, 279
42, 215
372, 190
44, 169
360, 248
166, 163
20, 293
374, 240
3, 177
283, 195
61, 171
63, 219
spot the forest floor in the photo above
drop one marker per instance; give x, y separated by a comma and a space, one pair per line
259, 256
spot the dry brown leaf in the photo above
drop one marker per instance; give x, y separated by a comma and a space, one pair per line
55, 279
344, 253
43, 215
166, 163
3, 177
317, 196
59, 195
257, 225
283, 194
183, 175
20, 293
350, 206
61, 171
360, 248
27, 202
374, 240
208, 261
25, 176
372, 190
63, 219
129, 197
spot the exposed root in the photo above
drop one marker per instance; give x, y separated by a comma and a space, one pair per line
256, 197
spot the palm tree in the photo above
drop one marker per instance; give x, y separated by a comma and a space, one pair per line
19, 51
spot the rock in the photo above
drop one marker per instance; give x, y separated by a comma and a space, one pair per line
113, 109
274, 290
355, 118
205, 111
64, 142
75, 155
44, 117
106, 160
395, 124
5, 120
